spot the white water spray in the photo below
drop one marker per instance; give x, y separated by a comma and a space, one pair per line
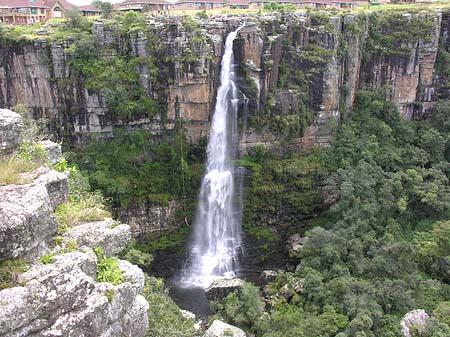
217, 229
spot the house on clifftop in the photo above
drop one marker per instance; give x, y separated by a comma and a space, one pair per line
27, 12
157, 6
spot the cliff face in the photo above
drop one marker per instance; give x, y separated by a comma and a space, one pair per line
49, 284
298, 73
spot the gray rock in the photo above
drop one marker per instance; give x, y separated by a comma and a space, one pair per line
106, 234
267, 276
220, 289
27, 224
11, 125
57, 186
187, 314
417, 319
294, 244
62, 298
221, 329
52, 149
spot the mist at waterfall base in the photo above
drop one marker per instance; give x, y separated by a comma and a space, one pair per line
216, 243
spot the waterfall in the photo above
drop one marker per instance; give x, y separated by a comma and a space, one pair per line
217, 228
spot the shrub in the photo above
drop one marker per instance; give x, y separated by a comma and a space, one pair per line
242, 308
88, 207
10, 271
11, 170
163, 314
107, 268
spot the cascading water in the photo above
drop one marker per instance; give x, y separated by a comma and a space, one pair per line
217, 228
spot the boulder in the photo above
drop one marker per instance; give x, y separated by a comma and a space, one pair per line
267, 276
27, 224
221, 329
57, 186
187, 314
220, 289
62, 298
52, 149
417, 319
11, 125
111, 236
294, 244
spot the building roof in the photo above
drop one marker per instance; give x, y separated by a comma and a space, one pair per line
89, 8
201, 1
237, 2
34, 4
143, 2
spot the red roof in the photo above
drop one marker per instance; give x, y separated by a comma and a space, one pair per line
200, 1
89, 8
144, 2
36, 3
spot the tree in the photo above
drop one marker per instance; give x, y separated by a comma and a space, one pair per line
107, 9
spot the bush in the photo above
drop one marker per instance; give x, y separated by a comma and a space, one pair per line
85, 208
163, 314
242, 308
11, 170
10, 271
107, 268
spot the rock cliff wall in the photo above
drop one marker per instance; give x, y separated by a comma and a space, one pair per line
298, 72
48, 283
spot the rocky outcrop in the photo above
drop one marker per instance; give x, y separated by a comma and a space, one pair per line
10, 130
294, 244
63, 299
147, 218
53, 150
267, 276
221, 329
27, 223
108, 234
221, 288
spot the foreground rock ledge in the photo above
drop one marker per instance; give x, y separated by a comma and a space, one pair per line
62, 299
220, 289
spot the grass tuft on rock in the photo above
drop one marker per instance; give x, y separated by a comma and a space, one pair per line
88, 207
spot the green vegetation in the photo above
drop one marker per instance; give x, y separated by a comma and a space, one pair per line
129, 170
153, 242
10, 271
164, 315
392, 33
278, 7
108, 268
243, 308
85, 208
282, 191
383, 248
30, 154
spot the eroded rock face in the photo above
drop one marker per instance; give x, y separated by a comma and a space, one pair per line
27, 223
269, 50
11, 125
148, 218
221, 329
52, 149
62, 298
220, 289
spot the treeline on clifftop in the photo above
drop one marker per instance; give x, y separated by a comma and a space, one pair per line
382, 250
